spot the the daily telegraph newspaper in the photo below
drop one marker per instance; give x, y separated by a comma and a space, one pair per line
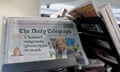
37, 39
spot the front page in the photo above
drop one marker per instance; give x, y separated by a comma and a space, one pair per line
36, 39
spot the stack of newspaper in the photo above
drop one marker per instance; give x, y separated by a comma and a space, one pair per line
105, 13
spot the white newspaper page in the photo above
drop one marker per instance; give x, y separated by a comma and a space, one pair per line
38, 39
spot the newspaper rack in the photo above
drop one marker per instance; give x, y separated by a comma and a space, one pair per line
39, 65
70, 62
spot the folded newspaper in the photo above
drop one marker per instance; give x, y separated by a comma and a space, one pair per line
113, 29
36, 39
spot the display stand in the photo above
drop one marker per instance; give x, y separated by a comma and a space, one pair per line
40, 65
87, 38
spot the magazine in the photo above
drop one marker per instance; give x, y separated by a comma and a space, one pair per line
87, 9
36, 39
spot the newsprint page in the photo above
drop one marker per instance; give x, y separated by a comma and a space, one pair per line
29, 39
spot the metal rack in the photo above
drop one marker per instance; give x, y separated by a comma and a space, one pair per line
39, 65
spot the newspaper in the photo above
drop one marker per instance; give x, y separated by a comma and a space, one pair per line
112, 27
37, 39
